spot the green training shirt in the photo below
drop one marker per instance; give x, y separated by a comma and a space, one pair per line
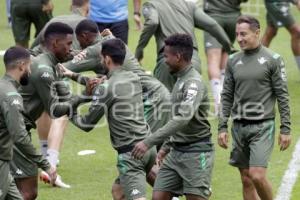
164, 18
190, 105
44, 89
254, 80
12, 127
120, 99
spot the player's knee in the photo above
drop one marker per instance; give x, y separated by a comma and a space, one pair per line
117, 192
295, 31
256, 175
29, 195
246, 181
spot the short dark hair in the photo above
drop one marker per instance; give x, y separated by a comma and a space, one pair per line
86, 25
252, 21
14, 55
114, 48
79, 3
57, 28
182, 44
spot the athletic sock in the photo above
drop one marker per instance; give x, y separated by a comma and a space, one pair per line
297, 58
222, 77
216, 88
52, 156
44, 147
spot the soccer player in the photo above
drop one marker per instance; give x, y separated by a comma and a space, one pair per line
25, 12
79, 9
120, 99
255, 79
164, 18
51, 132
225, 13
156, 97
188, 166
44, 93
15, 126
279, 15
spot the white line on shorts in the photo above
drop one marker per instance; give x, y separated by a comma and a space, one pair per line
2, 53
290, 176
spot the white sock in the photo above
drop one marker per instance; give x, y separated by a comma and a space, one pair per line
52, 156
216, 88
222, 77
44, 147
297, 58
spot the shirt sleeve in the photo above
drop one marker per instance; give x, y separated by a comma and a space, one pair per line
208, 24
193, 94
227, 99
150, 25
13, 108
279, 85
49, 94
101, 101
91, 61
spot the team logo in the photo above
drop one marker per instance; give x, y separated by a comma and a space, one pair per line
208, 44
16, 102
19, 172
261, 60
135, 192
240, 62
45, 75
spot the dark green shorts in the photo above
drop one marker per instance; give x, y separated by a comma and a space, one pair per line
21, 166
252, 144
132, 173
279, 15
227, 22
162, 73
23, 14
186, 173
8, 188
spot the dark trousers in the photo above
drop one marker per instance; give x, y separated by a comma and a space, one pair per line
118, 29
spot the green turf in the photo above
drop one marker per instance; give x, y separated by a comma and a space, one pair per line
91, 176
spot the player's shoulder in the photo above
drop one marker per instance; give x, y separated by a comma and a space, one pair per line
269, 53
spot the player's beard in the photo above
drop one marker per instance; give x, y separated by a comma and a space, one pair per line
24, 79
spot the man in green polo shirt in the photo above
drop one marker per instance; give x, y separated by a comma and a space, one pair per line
255, 79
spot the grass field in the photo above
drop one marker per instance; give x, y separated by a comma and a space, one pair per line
91, 176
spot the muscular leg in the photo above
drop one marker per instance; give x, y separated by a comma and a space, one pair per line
268, 36
262, 185
27, 187
249, 191
160, 195
295, 42
43, 127
194, 197
55, 138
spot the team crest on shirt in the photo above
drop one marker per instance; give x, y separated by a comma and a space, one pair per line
191, 92
283, 74
261, 60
